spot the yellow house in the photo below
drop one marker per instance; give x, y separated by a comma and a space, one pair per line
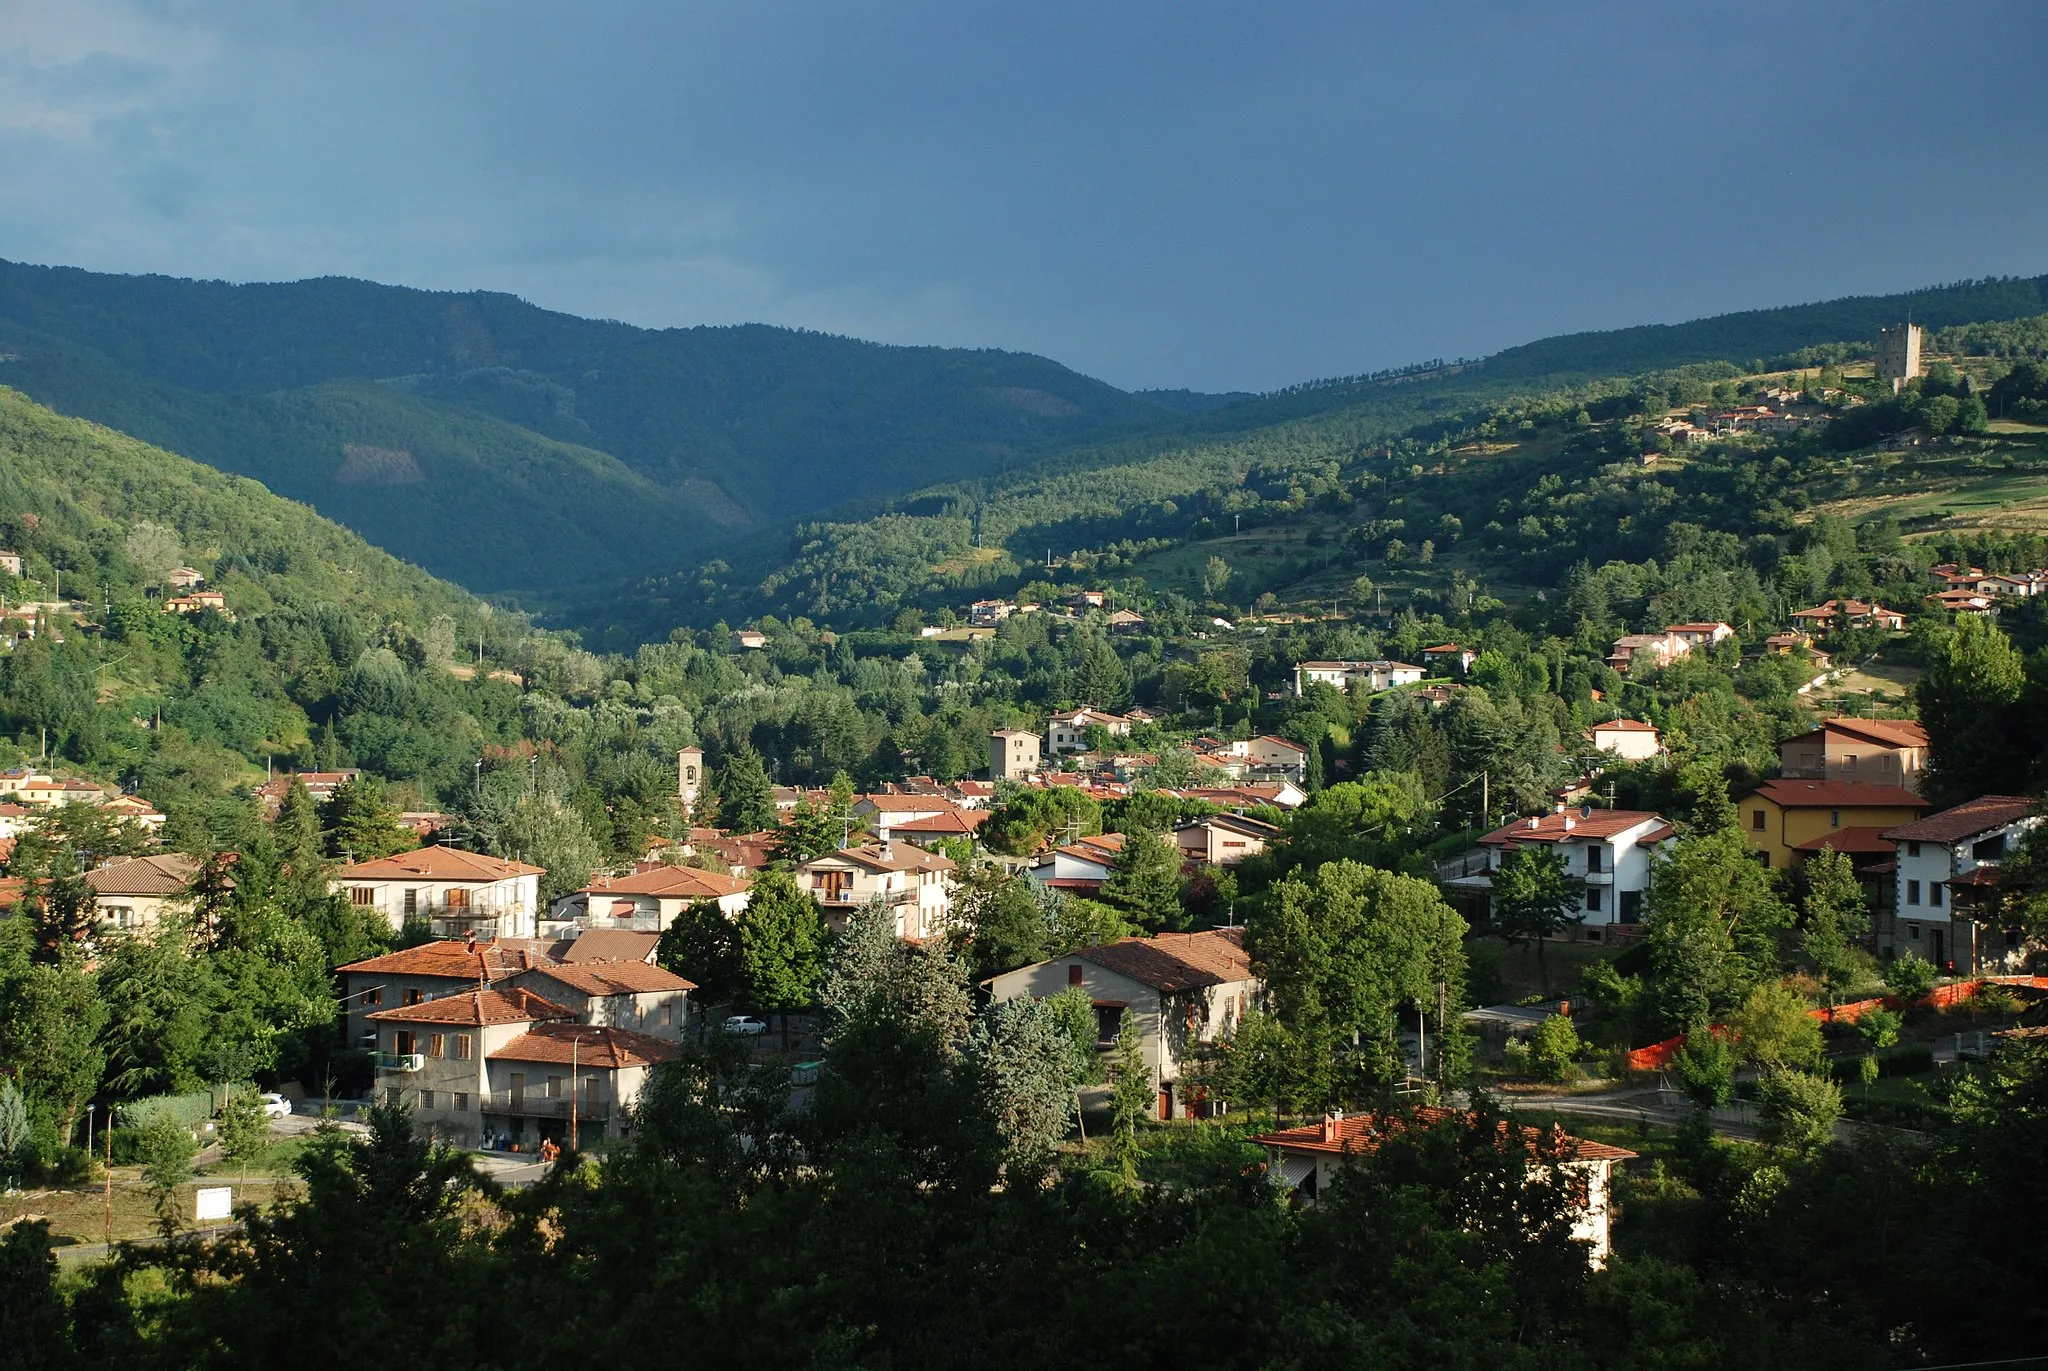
1786, 819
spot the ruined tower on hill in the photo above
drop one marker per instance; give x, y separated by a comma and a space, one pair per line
1898, 355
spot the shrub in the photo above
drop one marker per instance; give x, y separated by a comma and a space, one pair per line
1797, 1110
1910, 977
1554, 1047
1705, 1068
1774, 1029
1880, 1027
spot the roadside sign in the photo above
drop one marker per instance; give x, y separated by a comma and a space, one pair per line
213, 1202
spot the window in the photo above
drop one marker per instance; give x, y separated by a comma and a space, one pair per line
1989, 850
1756, 820
1631, 906
415, 997
394, 1096
436, 1044
1912, 892
1763, 859
1593, 859
457, 897
361, 895
1912, 849
1593, 899
1834, 818
372, 997
462, 1047
412, 903
668, 1014
1073, 973
1913, 932
404, 1042
1934, 893
462, 1102
554, 1087
426, 1099
1849, 762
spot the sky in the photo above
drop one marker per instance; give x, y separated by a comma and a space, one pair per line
1221, 197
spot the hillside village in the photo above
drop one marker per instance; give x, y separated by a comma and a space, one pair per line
1756, 814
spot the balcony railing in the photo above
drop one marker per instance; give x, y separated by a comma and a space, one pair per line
401, 1061
533, 1104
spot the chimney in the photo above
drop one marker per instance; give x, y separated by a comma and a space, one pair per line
1328, 1132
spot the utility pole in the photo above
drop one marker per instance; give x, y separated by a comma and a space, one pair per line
575, 1046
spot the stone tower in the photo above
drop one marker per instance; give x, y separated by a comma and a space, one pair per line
1898, 356
689, 775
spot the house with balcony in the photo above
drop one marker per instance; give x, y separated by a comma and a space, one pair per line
1881, 751
1304, 1161
135, 894
1182, 990
507, 1067
914, 883
618, 994
649, 901
1606, 851
455, 893
1786, 820
1947, 906
431, 971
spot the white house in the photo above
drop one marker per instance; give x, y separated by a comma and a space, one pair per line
1262, 758
1223, 839
1371, 676
916, 884
455, 892
649, 901
1607, 850
1067, 730
1629, 739
622, 994
1305, 1160
1182, 990
134, 893
1945, 898
1080, 867
1449, 657
887, 813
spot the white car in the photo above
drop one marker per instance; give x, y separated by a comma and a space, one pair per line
276, 1106
745, 1026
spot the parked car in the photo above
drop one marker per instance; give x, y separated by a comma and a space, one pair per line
276, 1106
745, 1026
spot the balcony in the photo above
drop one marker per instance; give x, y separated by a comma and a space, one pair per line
533, 1104
400, 1061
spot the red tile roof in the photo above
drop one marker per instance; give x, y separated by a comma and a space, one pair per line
960, 821
1890, 732
438, 864
1624, 726
168, 874
582, 1045
673, 882
612, 945
1791, 794
477, 1007
1174, 962
1569, 826
1359, 1133
614, 978
453, 961
1871, 841
1966, 820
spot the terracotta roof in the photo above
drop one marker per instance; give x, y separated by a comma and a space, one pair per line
907, 804
451, 960
1236, 823
1176, 961
438, 864
1624, 726
673, 882
612, 945
1552, 828
614, 978
889, 857
1791, 794
582, 1045
1364, 1132
1891, 732
168, 874
476, 1007
963, 821
1966, 820
1870, 840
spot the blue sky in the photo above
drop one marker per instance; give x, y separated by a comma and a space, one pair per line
1186, 194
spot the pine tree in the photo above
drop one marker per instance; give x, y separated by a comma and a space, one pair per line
746, 795
1130, 1096
1967, 703
360, 825
1144, 880
782, 940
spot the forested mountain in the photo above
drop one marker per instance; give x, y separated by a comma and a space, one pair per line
508, 446
1341, 450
